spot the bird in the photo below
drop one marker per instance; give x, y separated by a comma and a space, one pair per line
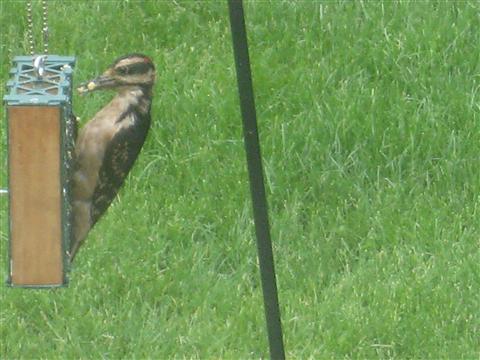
108, 145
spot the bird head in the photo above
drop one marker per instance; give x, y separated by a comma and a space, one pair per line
129, 71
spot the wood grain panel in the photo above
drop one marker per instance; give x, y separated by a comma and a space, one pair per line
35, 195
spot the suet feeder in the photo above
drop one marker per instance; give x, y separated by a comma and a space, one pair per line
41, 134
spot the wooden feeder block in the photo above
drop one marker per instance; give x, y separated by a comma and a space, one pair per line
41, 136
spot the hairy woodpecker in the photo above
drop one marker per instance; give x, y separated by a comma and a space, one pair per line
108, 145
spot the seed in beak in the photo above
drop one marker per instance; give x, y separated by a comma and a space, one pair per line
84, 89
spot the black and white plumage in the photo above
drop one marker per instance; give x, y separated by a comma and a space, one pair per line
108, 145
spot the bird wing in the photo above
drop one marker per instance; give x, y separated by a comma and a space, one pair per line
120, 155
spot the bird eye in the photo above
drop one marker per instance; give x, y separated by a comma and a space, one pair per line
122, 70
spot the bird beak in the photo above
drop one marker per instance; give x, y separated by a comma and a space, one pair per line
102, 82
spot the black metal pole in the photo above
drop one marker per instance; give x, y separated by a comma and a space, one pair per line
257, 187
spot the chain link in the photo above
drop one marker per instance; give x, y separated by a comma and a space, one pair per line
31, 42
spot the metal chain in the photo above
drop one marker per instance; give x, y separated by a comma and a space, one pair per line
44, 27
30, 27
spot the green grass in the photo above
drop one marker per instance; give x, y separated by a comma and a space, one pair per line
370, 125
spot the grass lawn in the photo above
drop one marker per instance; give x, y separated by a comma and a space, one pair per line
369, 115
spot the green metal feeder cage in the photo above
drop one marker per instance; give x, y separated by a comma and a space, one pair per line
41, 137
